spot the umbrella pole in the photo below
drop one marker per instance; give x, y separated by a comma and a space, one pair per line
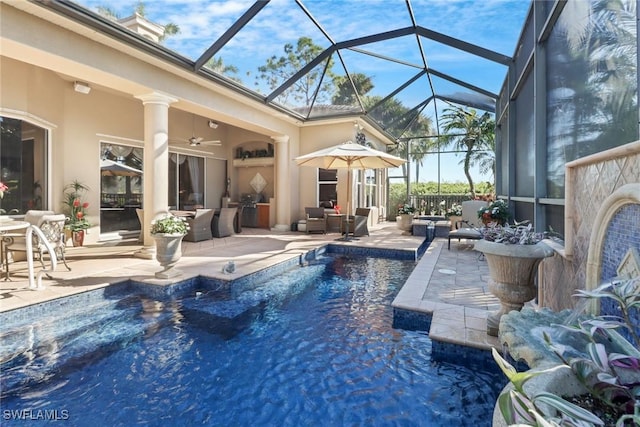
346, 218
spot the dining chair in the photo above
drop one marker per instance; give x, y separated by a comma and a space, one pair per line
223, 223
358, 223
200, 226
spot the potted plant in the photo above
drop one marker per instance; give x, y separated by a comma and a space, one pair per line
454, 214
513, 254
75, 210
168, 232
3, 188
404, 219
497, 213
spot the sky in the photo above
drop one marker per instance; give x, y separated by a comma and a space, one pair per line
492, 24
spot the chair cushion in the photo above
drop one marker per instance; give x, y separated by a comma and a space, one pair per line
465, 233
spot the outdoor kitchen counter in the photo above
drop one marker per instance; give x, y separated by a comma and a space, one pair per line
263, 215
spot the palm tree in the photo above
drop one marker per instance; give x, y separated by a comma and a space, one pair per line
217, 65
419, 149
473, 134
486, 160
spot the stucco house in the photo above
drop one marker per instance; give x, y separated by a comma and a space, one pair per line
74, 97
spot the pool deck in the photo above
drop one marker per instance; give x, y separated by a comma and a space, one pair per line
449, 285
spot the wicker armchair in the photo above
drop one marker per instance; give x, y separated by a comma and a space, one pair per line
200, 226
316, 220
223, 224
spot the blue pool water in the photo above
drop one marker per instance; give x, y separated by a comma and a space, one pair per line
313, 347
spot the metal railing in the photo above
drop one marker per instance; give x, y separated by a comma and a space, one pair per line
433, 204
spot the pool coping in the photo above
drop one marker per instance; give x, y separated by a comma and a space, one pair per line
443, 320
164, 288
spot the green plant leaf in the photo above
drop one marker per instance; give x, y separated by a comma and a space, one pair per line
506, 408
598, 355
522, 407
567, 408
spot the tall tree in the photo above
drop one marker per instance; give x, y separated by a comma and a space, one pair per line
419, 147
344, 91
473, 133
278, 69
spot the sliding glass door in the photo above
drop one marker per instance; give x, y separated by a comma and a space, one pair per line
186, 182
23, 161
120, 188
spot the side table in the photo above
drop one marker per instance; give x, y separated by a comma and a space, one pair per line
335, 223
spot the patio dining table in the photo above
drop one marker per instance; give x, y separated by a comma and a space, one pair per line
8, 230
183, 213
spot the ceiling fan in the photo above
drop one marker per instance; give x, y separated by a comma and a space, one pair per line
196, 141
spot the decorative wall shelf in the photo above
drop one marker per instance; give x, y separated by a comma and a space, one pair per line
253, 162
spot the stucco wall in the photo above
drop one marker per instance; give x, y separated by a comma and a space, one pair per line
316, 137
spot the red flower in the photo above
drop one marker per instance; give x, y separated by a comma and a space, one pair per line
79, 215
85, 205
76, 203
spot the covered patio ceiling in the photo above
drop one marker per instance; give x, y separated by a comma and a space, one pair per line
391, 62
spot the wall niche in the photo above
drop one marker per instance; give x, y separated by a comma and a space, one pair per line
255, 153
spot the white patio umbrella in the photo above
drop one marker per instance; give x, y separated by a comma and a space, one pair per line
349, 156
111, 168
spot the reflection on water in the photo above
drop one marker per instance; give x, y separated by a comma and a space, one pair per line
314, 346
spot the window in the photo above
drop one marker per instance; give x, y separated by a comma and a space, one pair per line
327, 187
121, 187
23, 166
186, 182
370, 187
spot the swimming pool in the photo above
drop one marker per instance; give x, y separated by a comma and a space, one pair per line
312, 347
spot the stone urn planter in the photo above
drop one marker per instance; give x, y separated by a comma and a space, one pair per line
168, 253
168, 232
404, 222
513, 270
455, 220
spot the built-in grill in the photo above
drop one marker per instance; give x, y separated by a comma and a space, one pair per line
249, 209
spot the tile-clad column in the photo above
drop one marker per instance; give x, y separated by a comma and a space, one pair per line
282, 189
155, 164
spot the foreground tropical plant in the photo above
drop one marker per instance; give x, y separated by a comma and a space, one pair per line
609, 369
518, 408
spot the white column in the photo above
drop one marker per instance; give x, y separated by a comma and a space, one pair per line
282, 189
155, 164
